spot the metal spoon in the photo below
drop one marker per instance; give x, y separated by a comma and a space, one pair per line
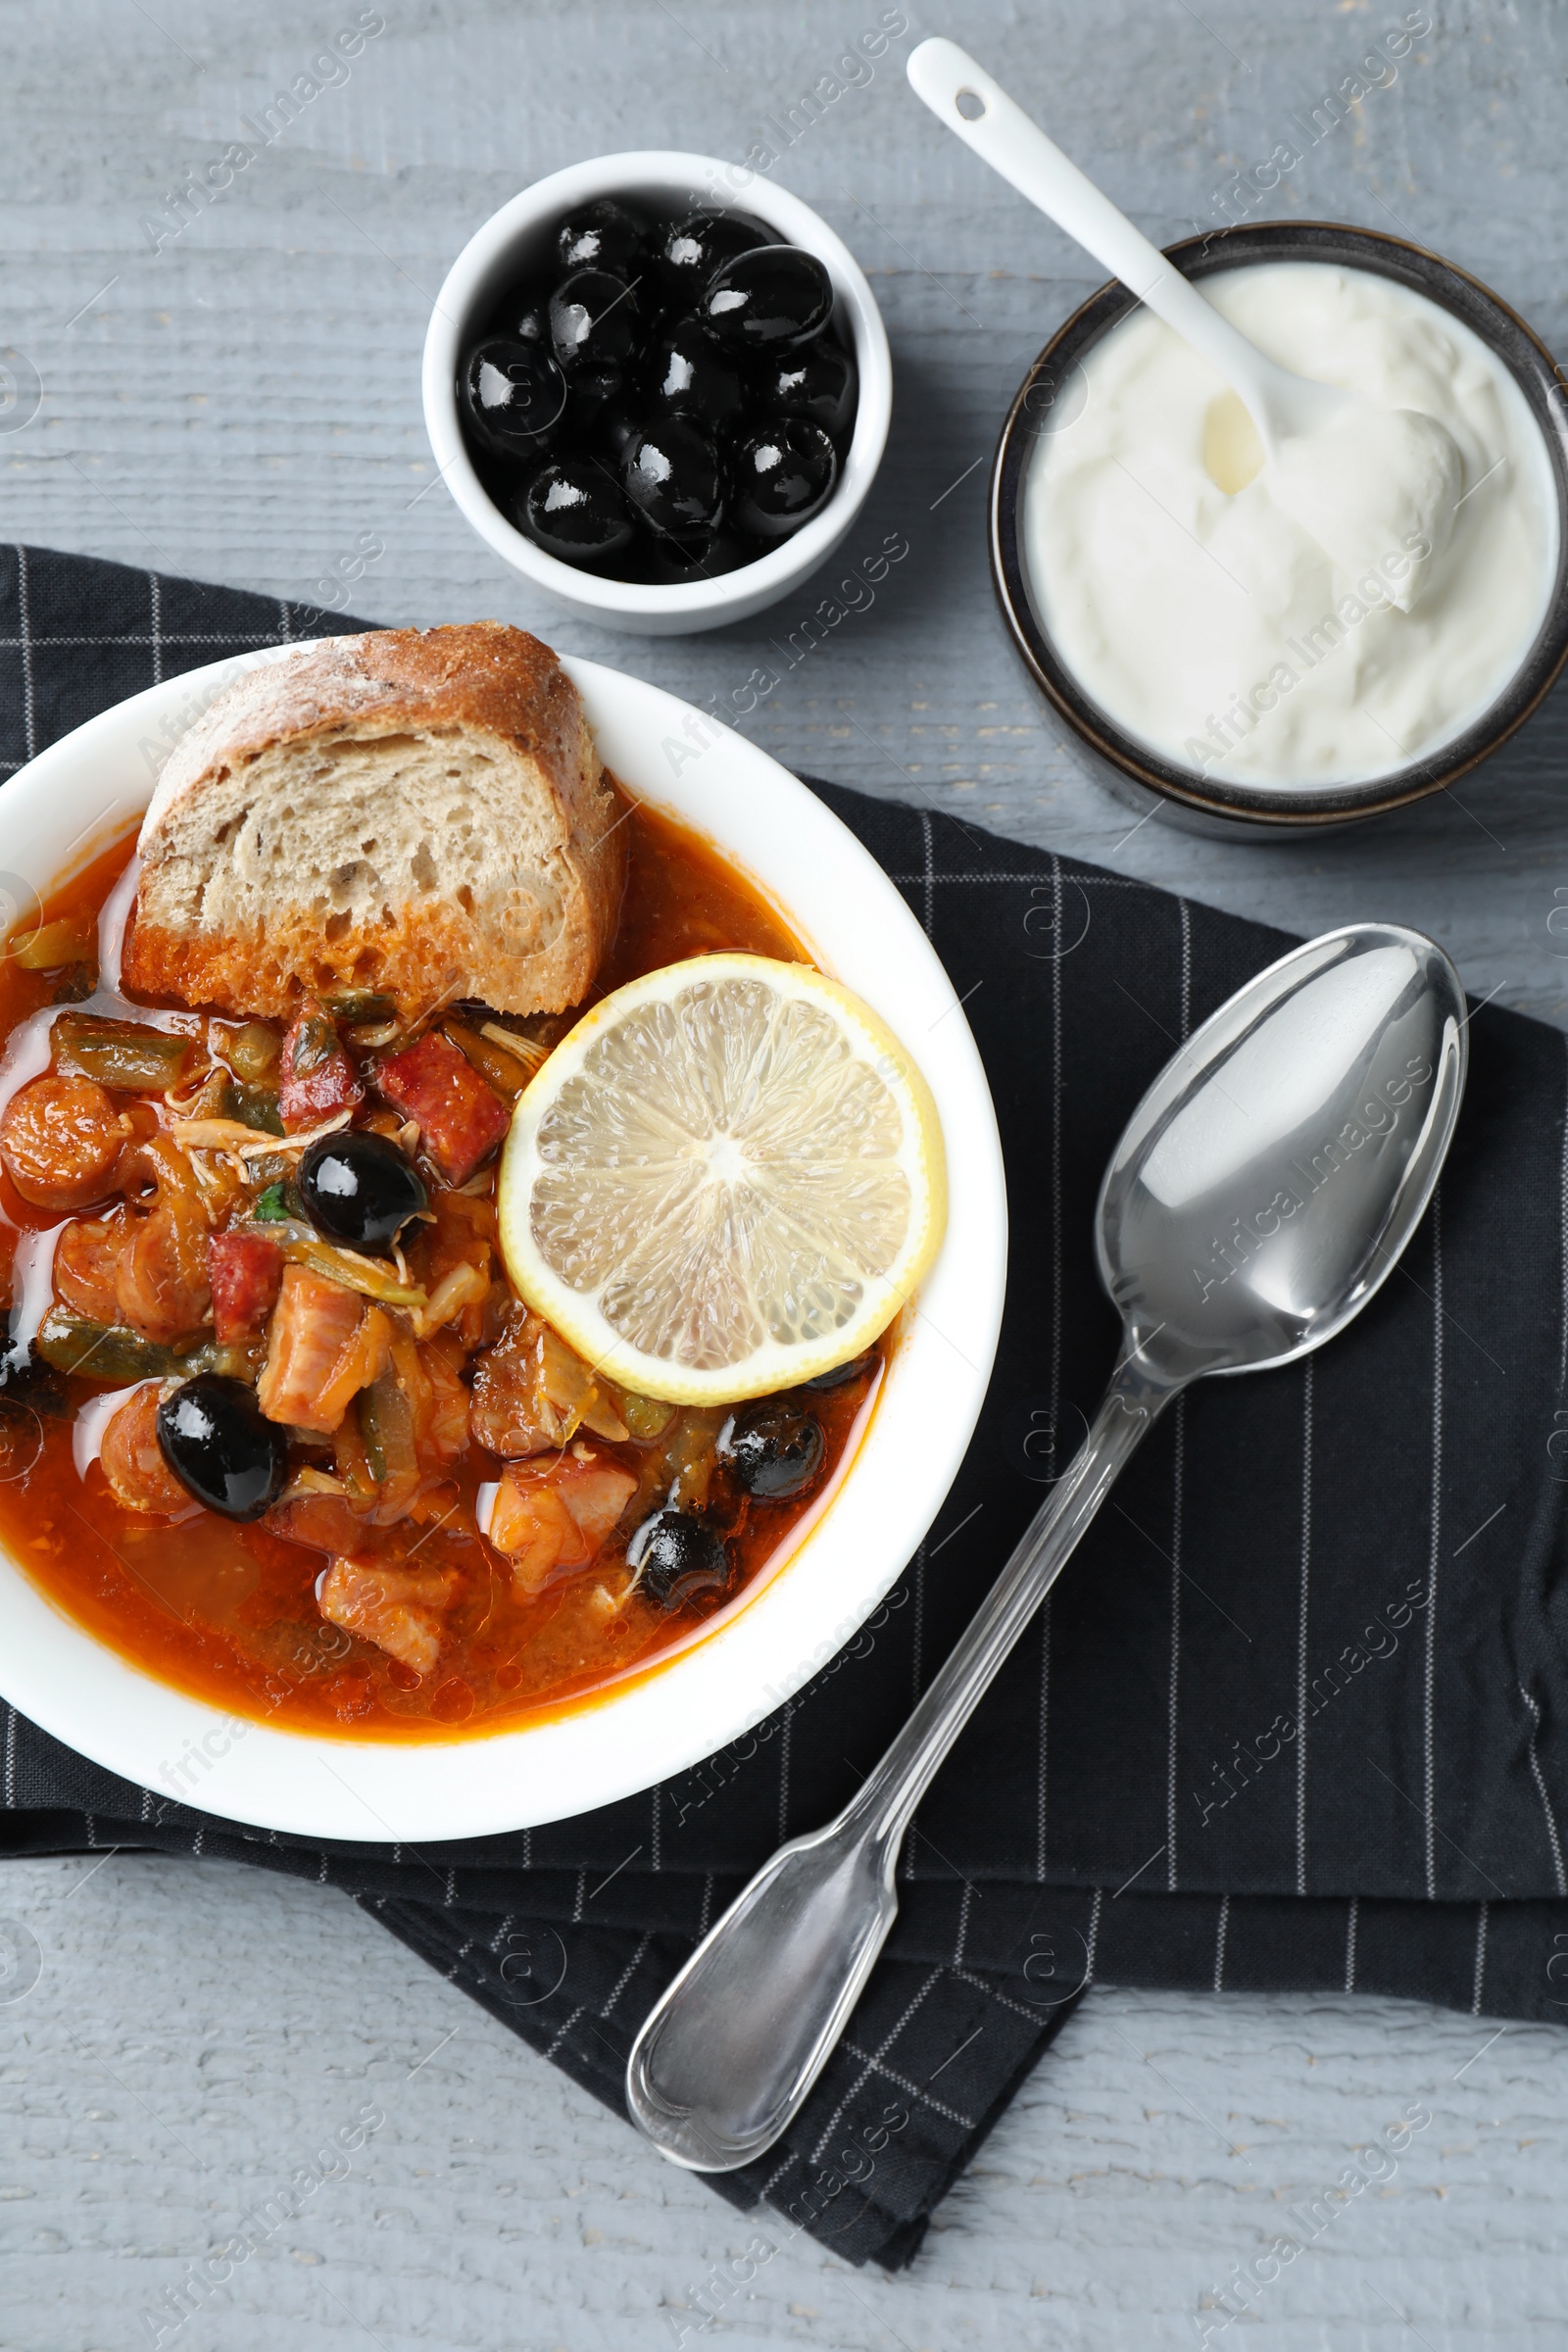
1358, 475
1261, 1193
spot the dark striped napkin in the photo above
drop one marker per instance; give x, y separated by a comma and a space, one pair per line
1297, 1717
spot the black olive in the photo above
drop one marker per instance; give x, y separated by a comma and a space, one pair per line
601, 235
359, 1189
513, 395
782, 477
616, 425
767, 300
842, 1374
594, 391
221, 1446
677, 564
671, 475
679, 1558
594, 321
688, 253
688, 377
573, 510
817, 382
532, 324
776, 1448
523, 314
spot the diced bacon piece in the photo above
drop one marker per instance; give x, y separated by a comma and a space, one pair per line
87, 1259
315, 1077
553, 1516
60, 1141
399, 1609
246, 1272
324, 1344
133, 1461
318, 1522
460, 1118
596, 1490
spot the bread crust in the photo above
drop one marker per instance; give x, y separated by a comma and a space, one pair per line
487, 685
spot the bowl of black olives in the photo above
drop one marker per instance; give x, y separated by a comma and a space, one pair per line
663, 402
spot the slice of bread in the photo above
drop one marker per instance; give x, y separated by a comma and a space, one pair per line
416, 812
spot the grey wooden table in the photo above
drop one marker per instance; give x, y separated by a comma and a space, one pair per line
240, 401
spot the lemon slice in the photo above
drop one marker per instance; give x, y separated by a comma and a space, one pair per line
728, 1178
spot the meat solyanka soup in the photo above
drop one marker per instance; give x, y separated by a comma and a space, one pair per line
274, 1424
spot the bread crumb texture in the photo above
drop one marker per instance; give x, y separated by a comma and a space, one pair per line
420, 813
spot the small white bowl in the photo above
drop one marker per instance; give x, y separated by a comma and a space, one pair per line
512, 243
92, 786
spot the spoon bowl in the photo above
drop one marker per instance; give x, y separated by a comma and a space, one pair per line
1260, 1195
1356, 476
1268, 1180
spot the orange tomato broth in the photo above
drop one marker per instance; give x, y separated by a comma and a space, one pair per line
227, 1612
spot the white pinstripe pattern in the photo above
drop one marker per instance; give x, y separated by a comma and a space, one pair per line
872, 2062
1482, 1921
1177, 1495
1045, 1752
1093, 1935
786, 1731
577, 1900
708, 1904
962, 1937
30, 715
1080, 880
1301, 1628
654, 1860
966, 1976
1221, 1936
11, 1757
461, 1953
875, 2066
929, 877
146, 637
1431, 1677
1186, 914
1541, 1790
155, 594
1352, 1928
565, 2029
1563, 1352
1043, 1711
284, 624
626, 1975
917, 1625
503, 1931
1056, 1159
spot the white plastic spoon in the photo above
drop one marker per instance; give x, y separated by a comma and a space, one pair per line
1362, 479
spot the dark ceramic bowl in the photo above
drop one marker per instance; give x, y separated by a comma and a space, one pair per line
1130, 768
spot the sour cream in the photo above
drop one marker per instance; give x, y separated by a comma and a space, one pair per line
1175, 574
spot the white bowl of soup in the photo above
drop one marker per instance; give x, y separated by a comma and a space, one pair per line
183, 1655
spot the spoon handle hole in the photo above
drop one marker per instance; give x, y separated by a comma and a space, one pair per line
971, 105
